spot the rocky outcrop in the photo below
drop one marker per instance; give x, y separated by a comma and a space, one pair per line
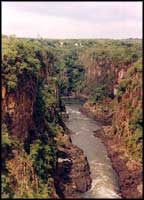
18, 109
72, 171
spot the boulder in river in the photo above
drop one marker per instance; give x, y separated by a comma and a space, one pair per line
73, 172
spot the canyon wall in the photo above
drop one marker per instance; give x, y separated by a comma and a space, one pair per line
34, 136
119, 108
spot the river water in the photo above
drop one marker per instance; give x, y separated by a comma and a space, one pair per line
104, 178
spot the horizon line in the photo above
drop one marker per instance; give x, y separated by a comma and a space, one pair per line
40, 37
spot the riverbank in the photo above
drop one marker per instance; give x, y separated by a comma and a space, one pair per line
128, 170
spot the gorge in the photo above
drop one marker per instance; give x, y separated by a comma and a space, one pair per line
54, 149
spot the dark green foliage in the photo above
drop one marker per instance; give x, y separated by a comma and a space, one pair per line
39, 108
6, 150
134, 142
19, 56
43, 158
123, 85
98, 93
75, 74
5, 136
136, 120
70, 73
6, 187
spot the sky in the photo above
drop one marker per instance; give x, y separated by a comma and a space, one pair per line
63, 20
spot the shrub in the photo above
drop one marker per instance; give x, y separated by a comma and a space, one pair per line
138, 65
6, 141
12, 83
123, 85
43, 158
98, 93
134, 144
136, 120
6, 189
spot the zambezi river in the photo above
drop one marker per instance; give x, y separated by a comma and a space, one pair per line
104, 178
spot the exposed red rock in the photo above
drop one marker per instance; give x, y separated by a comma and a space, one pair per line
72, 172
129, 171
18, 108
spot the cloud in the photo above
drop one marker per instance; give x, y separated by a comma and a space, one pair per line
72, 19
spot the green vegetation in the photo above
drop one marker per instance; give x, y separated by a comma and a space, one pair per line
123, 85
129, 89
21, 56
70, 72
31, 172
29, 164
72, 60
98, 93
134, 144
136, 120
42, 156
75, 57
84, 67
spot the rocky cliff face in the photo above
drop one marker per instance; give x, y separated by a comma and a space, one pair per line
127, 118
103, 70
102, 78
123, 135
18, 108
